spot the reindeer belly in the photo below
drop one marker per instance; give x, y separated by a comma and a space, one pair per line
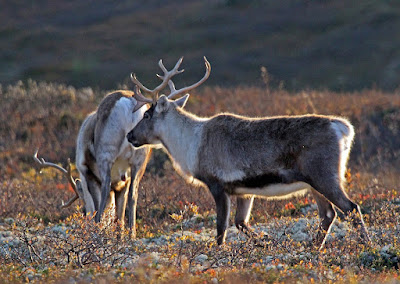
275, 191
271, 185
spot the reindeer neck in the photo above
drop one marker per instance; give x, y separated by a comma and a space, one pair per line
182, 139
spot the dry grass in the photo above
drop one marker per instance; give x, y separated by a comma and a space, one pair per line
182, 249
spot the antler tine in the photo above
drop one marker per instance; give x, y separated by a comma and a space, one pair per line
43, 164
171, 86
140, 99
175, 92
74, 184
140, 85
69, 202
171, 73
166, 77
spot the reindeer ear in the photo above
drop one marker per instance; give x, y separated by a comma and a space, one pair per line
162, 104
181, 102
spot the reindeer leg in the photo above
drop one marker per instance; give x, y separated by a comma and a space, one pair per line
105, 173
332, 190
121, 198
223, 203
91, 192
327, 215
138, 166
244, 206
349, 207
132, 204
323, 171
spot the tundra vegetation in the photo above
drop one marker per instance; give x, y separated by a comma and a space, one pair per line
175, 220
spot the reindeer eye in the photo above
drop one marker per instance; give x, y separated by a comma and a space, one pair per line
146, 115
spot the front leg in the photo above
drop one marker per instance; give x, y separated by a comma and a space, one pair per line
132, 204
121, 197
223, 204
138, 166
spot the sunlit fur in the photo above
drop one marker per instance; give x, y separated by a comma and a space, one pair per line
106, 161
271, 157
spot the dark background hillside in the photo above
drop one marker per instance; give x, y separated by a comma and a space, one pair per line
339, 45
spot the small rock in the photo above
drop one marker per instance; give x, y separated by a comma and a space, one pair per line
270, 267
268, 259
387, 248
5, 234
9, 221
300, 237
201, 258
300, 230
61, 229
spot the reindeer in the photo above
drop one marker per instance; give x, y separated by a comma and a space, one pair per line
109, 167
246, 157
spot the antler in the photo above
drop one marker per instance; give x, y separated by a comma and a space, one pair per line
166, 80
175, 92
74, 183
140, 99
167, 76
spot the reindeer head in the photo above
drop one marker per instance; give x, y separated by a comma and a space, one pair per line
149, 129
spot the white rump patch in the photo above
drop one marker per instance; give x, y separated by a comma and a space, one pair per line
345, 134
277, 191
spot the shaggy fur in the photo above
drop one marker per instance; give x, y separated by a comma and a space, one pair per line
268, 157
106, 162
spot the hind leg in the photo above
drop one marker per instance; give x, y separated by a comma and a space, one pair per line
327, 215
324, 171
352, 210
244, 206
121, 198
332, 190
105, 173
90, 191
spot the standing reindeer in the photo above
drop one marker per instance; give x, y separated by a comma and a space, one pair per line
106, 162
109, 167
269, 157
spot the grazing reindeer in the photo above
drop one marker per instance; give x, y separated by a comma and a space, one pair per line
106, 162
110, 168
270, 157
